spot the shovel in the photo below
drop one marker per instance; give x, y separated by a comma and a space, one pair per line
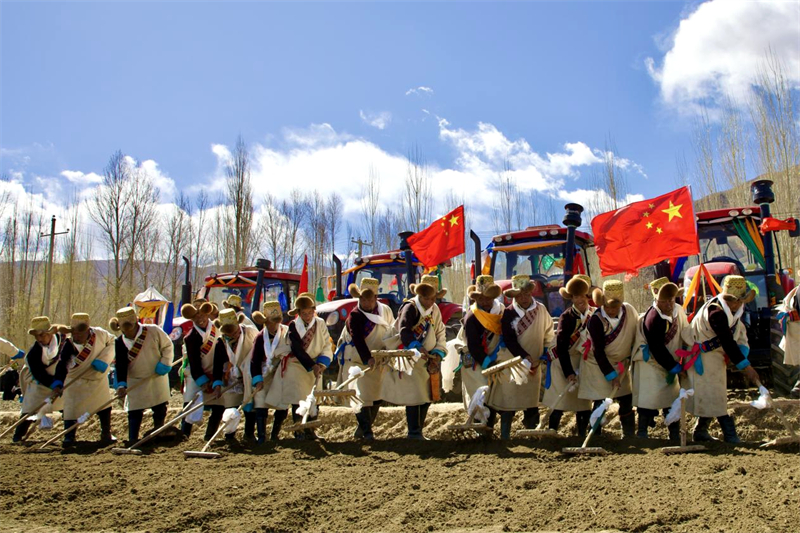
793, 437
305, 424
204, 453
471, 425
683, 448
540, 431
133, 449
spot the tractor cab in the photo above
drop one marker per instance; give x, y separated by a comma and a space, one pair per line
275, 285
541, 253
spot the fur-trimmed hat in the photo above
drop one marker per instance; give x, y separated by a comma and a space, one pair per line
228, 321
233, 301
428, 286
270, 312
576, 286
305, 300
78, 322
484, 286
191, 310
41, 324
611, 295
126, 315
519, 284
734, 288
369, 287
663, 289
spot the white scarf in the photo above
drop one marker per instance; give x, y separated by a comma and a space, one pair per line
520, 311
613, 321
422, 312
665, 317
732, 318
130, 342
204, 333
301, 326
50, 351
73, 362
233, 357
376, 319
584, 316
270, 347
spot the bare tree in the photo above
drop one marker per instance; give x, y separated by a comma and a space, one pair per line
417, 197
333, 213
239, 204
370, 204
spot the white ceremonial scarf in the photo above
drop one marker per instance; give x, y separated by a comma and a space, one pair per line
423, 312
613, 321
270, 347
130, 342
732, 318
302, 327
375, 318
665, 317
204, 333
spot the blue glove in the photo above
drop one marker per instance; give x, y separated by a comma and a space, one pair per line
248, 407
202, 380
744, 363
56, 384
99, 365
257, 379
162, 369
20, 355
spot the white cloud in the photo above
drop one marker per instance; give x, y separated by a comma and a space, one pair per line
376, 120
421, 90
79, 178
716, 51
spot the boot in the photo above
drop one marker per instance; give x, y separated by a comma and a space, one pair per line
674, 432
309, 432
105, 426
277, 421
795, 393
69, 438
21, 431
298, 435
186, 427
700, 433
213, 421
492, 418
599, 431
373, 411
646, 420
134, 424
555, 419
261, 426
627, 417
423, 415
159, 415
250, 425
412, 420
506, 419
364, 430
530, 418
582, 419
729, 429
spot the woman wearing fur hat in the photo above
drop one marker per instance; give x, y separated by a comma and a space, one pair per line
719, 336
663, 329
37, 378
271, 345
367, 325
571, 334
420, 327
85, 360
301, 369
142, 352
200, 346
479, 337
612, 330
527, 331
231, 364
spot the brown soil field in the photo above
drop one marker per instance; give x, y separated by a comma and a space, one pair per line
394, 485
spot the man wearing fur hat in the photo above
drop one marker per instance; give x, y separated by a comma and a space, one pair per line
231, 364
612, 330
719, 336
563, 373
663, 329
142, 352
270, 346
85, 360
480, 337
37, 378
234, 301
367, 325
300, 370
420, 327
200, 346
527, 331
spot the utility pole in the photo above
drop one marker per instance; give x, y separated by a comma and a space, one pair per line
48, 279
360, 244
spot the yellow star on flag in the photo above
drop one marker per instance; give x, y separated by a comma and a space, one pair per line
646, 214
673, 211
649, 225
454, 220
659, 231
652, 206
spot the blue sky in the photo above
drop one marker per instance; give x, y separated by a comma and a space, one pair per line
322, 91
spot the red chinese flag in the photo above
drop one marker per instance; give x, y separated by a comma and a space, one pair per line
441, 240
643, 233
304, 276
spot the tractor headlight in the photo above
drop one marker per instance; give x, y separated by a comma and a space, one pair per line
332, 319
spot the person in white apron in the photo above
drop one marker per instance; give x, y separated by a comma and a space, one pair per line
84, 365
420, 327
789, 318
612, 330
719, 336
570, 338
270, 346
142, 352
366, 327
37, 378
231, 363
480, 338
234, 301
311, 353
11, 358
198, 370
663, 330
527, 332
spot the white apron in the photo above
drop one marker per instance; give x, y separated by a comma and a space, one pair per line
593, 384
34, 394
88, 389
790, 344
239, 372
570, 400
190, 387
275, 350
157, 348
